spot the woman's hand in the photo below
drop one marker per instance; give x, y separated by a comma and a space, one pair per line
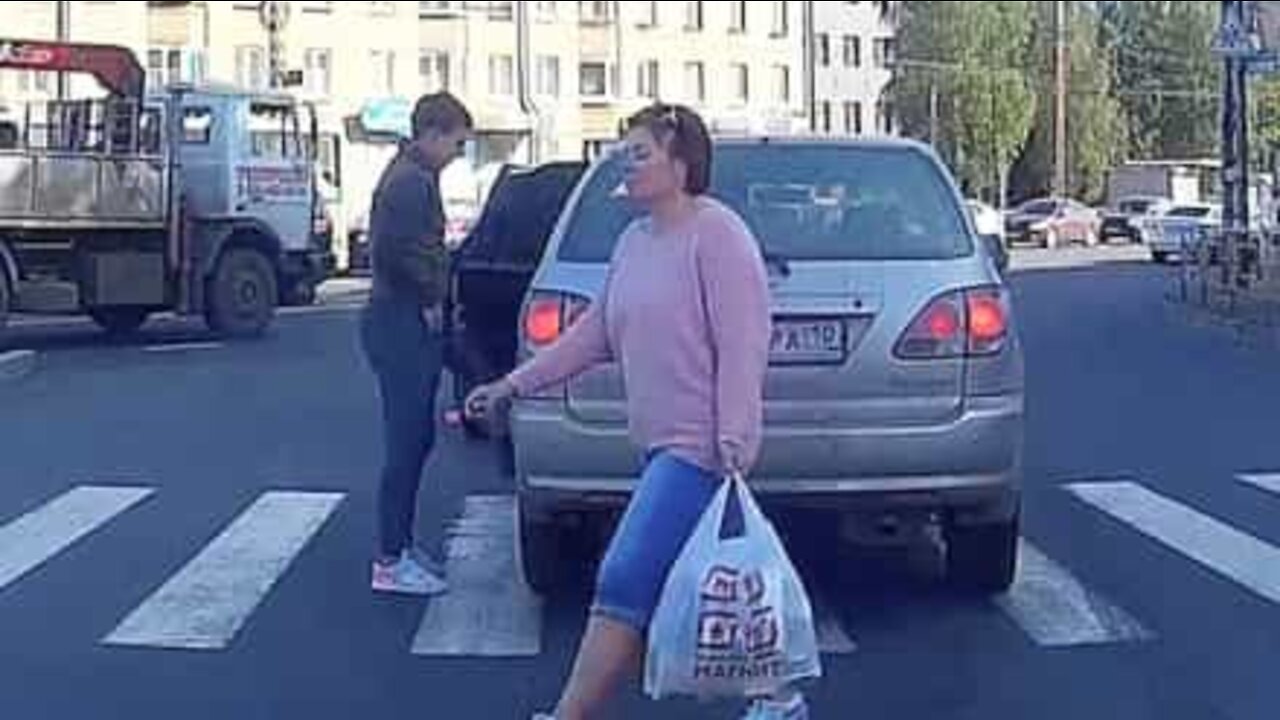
487, 400
733, 459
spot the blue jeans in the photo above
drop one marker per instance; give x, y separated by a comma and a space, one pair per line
669, 501
406, 356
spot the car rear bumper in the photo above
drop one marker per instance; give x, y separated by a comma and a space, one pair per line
971, 462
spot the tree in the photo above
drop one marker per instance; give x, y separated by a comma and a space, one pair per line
1168, 79
1096, 132
961, 74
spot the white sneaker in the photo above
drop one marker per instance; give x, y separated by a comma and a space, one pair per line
407, 577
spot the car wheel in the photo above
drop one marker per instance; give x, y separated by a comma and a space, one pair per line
982, 558
539, 549
242, 294
6, 298
119, 321
1160, 257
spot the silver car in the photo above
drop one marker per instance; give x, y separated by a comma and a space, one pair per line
894, 401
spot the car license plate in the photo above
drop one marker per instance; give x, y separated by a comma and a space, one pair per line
807, 341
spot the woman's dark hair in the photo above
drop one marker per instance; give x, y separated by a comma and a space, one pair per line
685, 137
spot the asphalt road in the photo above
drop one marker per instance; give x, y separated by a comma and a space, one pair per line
185, 528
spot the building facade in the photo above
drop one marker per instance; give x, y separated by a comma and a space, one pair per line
854, 48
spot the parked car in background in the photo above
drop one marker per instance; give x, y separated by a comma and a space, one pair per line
1181, 230
1125, 221
990, 226
894, 396
1051, 222
492, 268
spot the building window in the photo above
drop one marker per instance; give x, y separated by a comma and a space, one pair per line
824, 50
382, 72
648, 15
317, 76
547, 11
501, 11
433, 69
884, 117
782, 84
648, 80
737, 17
853, 118
501, 75
695, 82
167, 66
438, 8
595, 12
741, 75
593, 78
781, 19
852, 51
885, 50
548, 76
251, 67
826, 116
694, 15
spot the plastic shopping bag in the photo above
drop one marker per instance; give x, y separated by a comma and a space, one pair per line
734, 619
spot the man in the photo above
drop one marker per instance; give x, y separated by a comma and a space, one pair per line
401, 329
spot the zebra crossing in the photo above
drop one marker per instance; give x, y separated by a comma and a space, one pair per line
489, 613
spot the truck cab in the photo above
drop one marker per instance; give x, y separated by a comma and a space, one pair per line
245, 162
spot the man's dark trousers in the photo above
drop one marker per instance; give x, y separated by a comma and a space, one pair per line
406, 355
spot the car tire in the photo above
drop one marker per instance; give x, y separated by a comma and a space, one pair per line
6, 298
242, 294
982, 559
119, 321
539, 549
1159, 257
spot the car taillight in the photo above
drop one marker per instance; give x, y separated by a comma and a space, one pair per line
988, 311
548, 315
963, 323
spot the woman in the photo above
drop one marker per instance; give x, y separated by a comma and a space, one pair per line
686, 315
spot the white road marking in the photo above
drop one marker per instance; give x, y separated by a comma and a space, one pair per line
489, 611
832, 639
1225, 550
183, 348
206, 603
1269, 482
1056, 610
29, 541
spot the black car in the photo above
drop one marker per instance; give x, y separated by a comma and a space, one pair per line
493, 267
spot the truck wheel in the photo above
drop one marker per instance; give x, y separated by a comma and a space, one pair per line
539, 547
982, 558
242, 294
120, 321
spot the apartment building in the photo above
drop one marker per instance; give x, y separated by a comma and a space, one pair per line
854, 48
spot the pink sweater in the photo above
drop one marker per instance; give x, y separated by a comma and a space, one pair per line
685, 313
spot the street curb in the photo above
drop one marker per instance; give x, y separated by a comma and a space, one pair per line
16, 365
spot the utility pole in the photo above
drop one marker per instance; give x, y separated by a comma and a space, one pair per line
809, 41
62, 24
1235, 45
274, 16
1061, 68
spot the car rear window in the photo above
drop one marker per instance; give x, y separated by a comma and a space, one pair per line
1136, 207
1190, 212
818, 202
